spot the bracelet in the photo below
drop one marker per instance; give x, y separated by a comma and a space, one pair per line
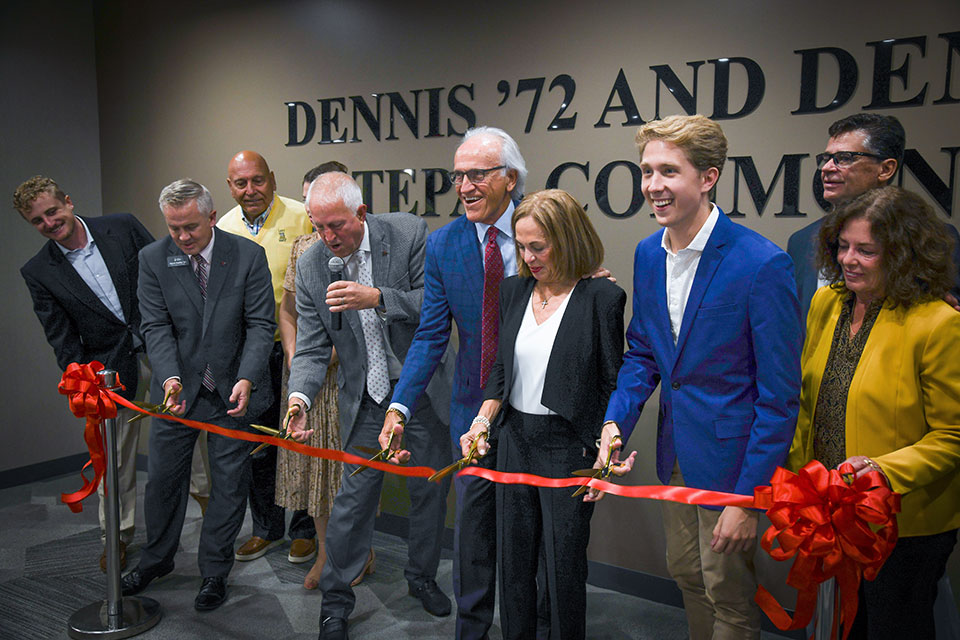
403, 418
481, 420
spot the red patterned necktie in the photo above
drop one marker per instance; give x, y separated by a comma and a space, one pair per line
202, 280
490, 322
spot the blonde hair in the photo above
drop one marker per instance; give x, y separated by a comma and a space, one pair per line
700, 138
576, 248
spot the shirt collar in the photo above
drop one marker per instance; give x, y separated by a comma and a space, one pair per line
364, 247
207, 251
502, 224
699, 241
85, 247
260, 219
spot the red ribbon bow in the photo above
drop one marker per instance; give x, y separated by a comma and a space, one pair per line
81, 384
826, 523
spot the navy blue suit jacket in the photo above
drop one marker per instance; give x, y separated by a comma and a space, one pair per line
730, 386
78, 326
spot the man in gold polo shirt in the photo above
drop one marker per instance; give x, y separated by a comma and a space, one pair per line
273, 222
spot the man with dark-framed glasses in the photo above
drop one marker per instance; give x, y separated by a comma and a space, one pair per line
865, 151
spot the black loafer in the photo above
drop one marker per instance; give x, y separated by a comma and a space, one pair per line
435, 602
138, 579
212, 593
333, 629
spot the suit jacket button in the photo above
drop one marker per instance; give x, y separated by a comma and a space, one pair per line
675, 385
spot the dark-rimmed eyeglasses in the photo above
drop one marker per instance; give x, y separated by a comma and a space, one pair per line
844, 158
475, 176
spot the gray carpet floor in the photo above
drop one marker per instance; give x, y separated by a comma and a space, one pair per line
48, 570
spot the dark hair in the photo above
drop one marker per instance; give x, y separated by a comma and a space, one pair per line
326, 167
915, 252
884, 134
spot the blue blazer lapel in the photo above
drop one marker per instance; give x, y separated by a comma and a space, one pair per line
656, 291
710, 260
468, 248
220, 263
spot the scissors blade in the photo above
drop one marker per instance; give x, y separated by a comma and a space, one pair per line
447, 470
367, 450
583, 488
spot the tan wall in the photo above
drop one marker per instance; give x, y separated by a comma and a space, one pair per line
182, 89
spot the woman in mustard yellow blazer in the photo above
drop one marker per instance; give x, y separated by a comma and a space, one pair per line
881, 390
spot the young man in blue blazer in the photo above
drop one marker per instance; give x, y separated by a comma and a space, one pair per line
716, 321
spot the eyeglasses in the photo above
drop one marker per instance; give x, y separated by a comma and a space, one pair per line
844, 158
475, 176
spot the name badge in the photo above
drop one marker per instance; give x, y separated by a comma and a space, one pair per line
178, 261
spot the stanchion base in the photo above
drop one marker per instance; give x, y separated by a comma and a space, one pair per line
139, 614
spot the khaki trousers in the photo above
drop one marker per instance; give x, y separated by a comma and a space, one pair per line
718, 588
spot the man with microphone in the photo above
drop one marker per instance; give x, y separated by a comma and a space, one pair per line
360, 291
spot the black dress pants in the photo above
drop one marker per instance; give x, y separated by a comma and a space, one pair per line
528, 517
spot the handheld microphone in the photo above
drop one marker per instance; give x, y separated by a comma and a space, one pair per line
336, 273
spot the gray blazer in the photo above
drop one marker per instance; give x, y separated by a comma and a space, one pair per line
233, 331
398, 244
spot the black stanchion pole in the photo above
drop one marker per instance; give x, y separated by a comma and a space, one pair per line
115, 617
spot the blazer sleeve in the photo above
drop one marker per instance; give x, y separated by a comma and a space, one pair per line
432, 335
314, 345
610, 341
156, 326
404, 305
258, 318
774, 317
937, 453
58, 326
639, 375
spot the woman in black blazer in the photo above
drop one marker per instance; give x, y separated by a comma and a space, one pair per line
561, 346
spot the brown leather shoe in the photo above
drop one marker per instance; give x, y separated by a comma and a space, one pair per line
254, 548
123, 557
368, 568
302, 550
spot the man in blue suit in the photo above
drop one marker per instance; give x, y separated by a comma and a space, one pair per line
865, 151
489, 175
716, 321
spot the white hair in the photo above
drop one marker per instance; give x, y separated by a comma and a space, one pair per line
180, 192
510, 156
333, 187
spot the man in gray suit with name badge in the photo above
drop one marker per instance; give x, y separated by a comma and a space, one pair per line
206, 304
369, 313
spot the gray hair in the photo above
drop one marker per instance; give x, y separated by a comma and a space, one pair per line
333, 187
180, 192
509, 155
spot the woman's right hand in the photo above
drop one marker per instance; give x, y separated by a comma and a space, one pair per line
477, 430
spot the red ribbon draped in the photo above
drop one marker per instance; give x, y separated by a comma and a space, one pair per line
833, 529
87, 399
826, 523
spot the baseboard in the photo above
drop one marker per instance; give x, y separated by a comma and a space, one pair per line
52, 468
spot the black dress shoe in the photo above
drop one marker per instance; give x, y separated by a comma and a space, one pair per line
138, 579
435, 602
213, 592
333, 629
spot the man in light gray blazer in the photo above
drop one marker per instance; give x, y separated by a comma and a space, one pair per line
206, 304
369, 314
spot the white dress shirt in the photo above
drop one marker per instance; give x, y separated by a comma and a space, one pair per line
89, 265
682, 268
531, 354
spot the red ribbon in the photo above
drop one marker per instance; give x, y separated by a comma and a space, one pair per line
826, 523
834, 529
87, 399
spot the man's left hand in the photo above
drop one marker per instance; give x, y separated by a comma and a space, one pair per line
241, 396
344, 295
736, 530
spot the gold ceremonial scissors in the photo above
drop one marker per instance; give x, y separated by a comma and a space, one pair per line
283, 433
471, 457
152, 408
603, 472
380, 455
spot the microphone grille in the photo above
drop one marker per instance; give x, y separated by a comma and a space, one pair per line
335, 263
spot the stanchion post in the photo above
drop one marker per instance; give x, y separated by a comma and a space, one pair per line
116, 617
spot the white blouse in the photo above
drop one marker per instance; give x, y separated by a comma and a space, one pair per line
531, 355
